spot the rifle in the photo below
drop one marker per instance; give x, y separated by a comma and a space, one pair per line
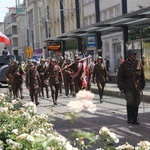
74, 62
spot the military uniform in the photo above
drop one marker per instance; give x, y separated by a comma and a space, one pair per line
131, 81
77, 72
54, 73
61, 62
17, 74
100, 73
44, 83
33, 83
67, 75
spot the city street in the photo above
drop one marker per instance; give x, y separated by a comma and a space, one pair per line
111, 113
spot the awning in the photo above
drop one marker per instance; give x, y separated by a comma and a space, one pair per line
132, 20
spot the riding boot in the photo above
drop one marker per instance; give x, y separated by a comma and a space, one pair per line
42, 91
21, 95
135, 114
47, 94
129, 114
32, 98
36, 99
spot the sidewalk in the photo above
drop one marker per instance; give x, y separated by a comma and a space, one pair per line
111, 89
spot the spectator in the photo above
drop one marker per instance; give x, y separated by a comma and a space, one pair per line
5, 52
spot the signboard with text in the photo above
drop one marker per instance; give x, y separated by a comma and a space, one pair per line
54, 46
91, 42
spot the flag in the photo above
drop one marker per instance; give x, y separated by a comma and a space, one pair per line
4, 39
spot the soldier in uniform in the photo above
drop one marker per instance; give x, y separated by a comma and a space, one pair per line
17, 74
9, 77
131, 81
54, 72
60, 63
33, 83
44, 84
67, 75
77, 72
100, 72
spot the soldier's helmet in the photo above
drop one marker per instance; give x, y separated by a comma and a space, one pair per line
99, 58
76, 57
131, 51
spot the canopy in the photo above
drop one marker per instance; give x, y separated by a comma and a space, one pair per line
4, 39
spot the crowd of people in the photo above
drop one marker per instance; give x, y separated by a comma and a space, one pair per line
38, 77
50, 75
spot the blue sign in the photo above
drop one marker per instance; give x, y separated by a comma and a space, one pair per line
91, 42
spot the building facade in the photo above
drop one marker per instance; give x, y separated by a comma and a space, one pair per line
10, 27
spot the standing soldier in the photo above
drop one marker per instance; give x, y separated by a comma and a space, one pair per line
67, 77
77, 71
131, 81
17, 74
60, 63
9, 77
44, 84
100, 72
54, 72
33, 83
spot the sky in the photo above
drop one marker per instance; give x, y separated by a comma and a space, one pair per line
3, 7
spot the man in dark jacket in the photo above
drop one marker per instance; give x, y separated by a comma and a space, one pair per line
54, 72
131, 81
44, 84
100, 73
33, 83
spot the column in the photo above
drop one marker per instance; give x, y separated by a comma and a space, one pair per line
97, 11
125, 29
99, 43
62, 16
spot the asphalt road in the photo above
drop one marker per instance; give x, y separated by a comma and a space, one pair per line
111, 113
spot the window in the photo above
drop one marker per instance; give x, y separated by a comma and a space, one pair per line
105, 15
117, 11
111, 13
90, 20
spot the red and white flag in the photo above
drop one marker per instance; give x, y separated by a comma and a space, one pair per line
86, 74
4, 39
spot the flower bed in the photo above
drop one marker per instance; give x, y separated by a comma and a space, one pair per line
22, 129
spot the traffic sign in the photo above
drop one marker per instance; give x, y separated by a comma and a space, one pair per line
29, 52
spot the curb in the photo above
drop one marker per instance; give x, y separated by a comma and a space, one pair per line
118, 94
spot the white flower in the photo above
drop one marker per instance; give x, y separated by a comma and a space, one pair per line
143, 145
15, 131
89, 106
76, 106
31, 107
3, 109
30, 138
84, 95
2, 96
114, 137
14, 101
104, 130
22, 136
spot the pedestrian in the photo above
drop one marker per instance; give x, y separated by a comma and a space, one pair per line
107, 63
77, 72
131, 81
60, 63
100, 73
17, 74
5, 52
67, 75
33, 83
54, 72
44, 83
